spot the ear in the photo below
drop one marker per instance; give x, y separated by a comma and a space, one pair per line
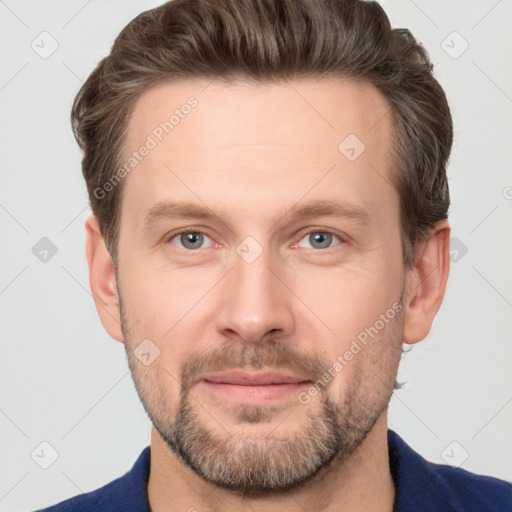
102, 280
426, 283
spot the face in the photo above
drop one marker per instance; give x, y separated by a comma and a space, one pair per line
260, 255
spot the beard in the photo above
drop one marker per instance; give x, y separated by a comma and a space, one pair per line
253, 464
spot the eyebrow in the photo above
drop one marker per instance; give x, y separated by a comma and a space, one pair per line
316, 208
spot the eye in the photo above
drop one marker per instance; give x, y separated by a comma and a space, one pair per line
189, 240
320, 239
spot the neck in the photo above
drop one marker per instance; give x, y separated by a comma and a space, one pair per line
362, 482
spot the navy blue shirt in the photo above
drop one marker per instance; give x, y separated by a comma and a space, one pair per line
420, 486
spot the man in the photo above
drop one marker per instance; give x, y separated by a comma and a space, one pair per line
269, 195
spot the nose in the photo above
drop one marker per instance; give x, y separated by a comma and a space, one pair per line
255, 300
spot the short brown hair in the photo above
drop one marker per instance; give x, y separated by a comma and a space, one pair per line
272, 40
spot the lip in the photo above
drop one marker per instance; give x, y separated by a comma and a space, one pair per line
253, 388
243, 378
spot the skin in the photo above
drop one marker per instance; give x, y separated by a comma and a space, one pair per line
250, 154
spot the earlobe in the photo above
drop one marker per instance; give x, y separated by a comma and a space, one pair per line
426, 283
102, 280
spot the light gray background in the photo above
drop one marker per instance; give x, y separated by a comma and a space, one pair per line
64, 381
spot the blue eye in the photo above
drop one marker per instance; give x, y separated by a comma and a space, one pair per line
320, 239
190, 240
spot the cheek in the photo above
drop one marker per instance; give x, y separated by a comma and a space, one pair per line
349, 299
360, 318
366, 364
154, 301
164, 306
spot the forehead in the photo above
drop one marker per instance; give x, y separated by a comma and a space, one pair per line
214, 136
327, 106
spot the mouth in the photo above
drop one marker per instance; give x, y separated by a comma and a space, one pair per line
253, 387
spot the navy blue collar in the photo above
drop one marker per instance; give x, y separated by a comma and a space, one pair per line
420, 486
417, 486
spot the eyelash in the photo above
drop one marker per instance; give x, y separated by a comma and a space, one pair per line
304, 234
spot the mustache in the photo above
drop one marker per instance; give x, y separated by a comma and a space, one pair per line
271, 354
